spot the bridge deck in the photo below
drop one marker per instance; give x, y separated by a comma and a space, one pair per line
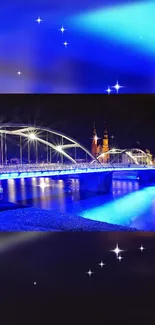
42, 170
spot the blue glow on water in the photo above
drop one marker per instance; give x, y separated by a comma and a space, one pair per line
124, 211
127, 205
129, 24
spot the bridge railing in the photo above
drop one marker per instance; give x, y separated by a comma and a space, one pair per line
59, 167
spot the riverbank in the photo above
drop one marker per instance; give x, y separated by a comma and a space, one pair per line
32, 219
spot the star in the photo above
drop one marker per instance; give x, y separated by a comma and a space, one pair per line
117, 87
34, 283
101, 264
108, 90
89, 272
117, 250
112, 137
65, 43
141, 248
19, 73
119, 257
62, 29
38, 20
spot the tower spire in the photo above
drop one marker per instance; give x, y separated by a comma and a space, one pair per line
94, 141
105, 146
105, 129
94, 129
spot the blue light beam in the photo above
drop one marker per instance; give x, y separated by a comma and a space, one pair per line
124, 211
128, 24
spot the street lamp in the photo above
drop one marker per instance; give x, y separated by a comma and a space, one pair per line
59, 149
113, 150
32, 136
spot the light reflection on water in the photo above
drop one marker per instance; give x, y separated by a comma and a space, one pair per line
126, 205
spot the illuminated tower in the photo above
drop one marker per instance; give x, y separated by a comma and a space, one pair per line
94, 142
105, 146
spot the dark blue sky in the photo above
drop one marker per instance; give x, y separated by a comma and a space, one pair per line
129, 118
111, 45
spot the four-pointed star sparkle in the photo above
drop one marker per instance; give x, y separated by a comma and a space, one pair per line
39, 20
89, 272
109, 90
117, 87
117, 250
101, 264
62, 29
141, 248
65, 44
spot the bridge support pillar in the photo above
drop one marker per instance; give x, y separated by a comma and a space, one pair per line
100, 183
146, 177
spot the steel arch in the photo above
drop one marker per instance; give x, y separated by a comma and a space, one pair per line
127, 152
26, 128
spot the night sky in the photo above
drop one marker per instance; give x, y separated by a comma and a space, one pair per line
105, 41
130, 118
45, 275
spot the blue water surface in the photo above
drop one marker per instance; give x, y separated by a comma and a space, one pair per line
127, 205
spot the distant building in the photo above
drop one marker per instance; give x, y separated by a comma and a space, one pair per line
131, 156
98, 149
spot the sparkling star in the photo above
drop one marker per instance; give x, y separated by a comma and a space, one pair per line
117, 87
89, 272
65, 43
117, 250
141, 248
19, 73
39, 20
108, 90
101, 264
34, 283
119, 257
62, 29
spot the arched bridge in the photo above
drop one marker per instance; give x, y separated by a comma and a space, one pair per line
34, 151
126, 156
28, 143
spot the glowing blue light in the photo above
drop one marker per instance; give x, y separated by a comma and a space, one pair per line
14, 175
31, 174
38, 173
123, 211
131, 24
70, 172
4, 176
23, 175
